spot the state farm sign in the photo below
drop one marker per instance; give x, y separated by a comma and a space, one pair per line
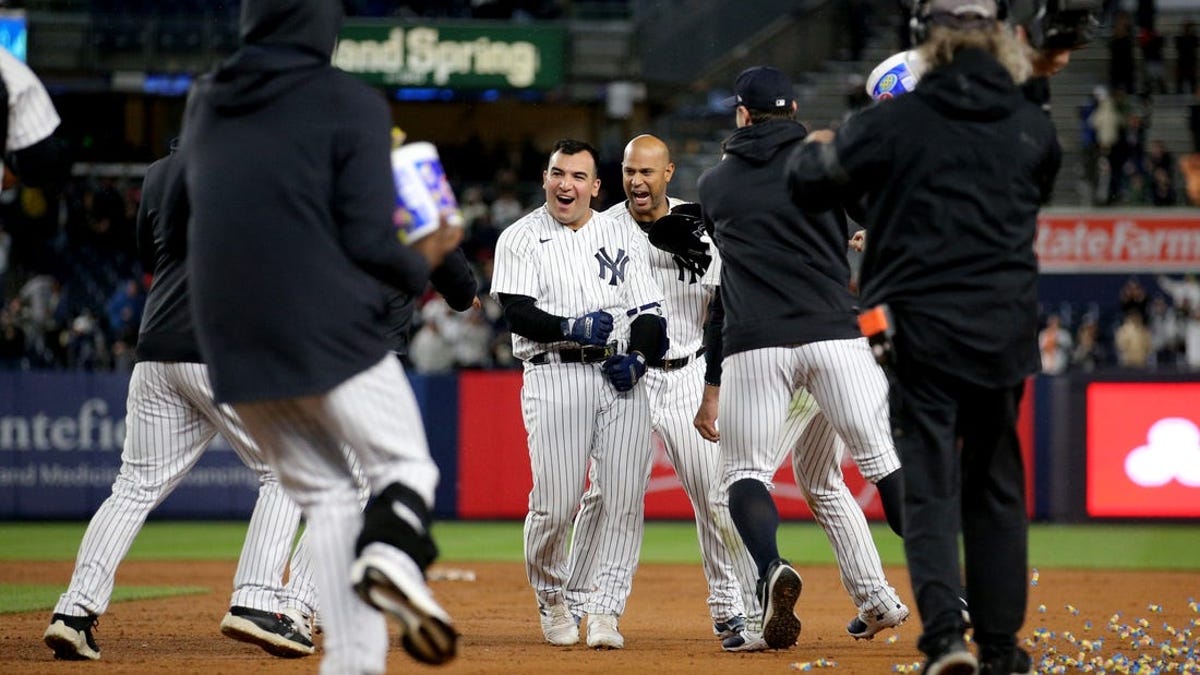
1119, 242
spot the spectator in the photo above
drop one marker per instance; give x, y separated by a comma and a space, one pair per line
1166, 332
1184, 292
1194, 121
1054, 342
12, 343
125, 311
1191, 336
1162, 188
1152, 59
1185, 53
86, 347
1088, 353
1120, 55
1089, 145
506, 209
1132, 299
1133, 342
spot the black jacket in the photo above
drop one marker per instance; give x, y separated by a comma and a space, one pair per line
454, 279
954, 175
166, 333
290, 183
785, 277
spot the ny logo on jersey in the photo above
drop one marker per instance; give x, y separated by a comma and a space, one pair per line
617, 267
686, 268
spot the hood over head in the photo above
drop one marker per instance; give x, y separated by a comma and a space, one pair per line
758, 143
308, 24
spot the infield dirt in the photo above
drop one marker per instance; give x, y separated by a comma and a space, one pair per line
666, 625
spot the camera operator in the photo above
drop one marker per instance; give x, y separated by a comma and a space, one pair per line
954, 173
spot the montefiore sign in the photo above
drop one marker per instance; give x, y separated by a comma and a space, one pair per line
465, 57
1119, 242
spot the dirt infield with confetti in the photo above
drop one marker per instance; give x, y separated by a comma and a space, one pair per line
1079, 621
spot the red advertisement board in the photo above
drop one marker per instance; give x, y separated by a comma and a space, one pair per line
493, 467
1143, 449
1115, 242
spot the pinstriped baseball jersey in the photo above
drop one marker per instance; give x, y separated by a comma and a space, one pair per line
686, 299
674, 397
31, 114
574, 272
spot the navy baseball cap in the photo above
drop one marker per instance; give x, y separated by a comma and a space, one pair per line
762, 88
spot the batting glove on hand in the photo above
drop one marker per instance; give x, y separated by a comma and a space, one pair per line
589, 329
624, 370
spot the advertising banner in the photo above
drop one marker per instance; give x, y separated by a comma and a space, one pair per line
494, 460
1143, 449
1144, 241
61, 436
453, 56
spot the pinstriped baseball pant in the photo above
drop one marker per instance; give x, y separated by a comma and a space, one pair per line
374, 413
728, 567
170, 421
572, 414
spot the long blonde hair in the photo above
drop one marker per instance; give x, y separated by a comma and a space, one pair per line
996, 39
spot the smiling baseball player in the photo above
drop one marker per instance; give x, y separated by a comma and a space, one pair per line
674, 385
586, 319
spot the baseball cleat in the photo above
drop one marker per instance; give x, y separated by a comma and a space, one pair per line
779, 590
603, 633
729, 627
951, 658
745, 641
71, 637
559, 625
276, 633
880, 615
390, 581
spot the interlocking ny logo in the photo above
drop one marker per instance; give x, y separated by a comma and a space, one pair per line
617, 267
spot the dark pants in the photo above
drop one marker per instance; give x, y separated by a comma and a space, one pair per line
963, 472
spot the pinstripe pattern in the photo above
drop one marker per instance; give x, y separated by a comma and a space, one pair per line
31, 114
542, 259
836, 399
170, 421
816, 455
376, 415
571, 412
674, 397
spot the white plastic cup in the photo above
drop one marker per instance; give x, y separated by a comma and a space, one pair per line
423, 194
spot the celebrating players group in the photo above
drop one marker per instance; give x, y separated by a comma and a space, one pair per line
727, 328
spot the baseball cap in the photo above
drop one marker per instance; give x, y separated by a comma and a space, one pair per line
965, 9
762, 88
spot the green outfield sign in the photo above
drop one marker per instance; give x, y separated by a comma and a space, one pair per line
462, 57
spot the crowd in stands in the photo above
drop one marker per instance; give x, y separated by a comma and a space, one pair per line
1143, 330
1123, 162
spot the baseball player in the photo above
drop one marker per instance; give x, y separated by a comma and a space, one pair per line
788, 324
816, 451
27, 126
674, 385
170, 421
586, 319
285, 268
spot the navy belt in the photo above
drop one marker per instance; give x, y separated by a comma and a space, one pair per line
676, 364
575, 355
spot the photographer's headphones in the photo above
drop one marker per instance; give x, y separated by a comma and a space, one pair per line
920, 14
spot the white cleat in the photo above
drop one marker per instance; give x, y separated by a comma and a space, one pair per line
559, 626
603, 633
389, 580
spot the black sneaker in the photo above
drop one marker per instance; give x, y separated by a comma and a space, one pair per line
1015, 662
71, 637
273, 631
778, 591
949, 656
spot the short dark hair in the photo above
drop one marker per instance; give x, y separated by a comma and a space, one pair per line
761, 116
570, 146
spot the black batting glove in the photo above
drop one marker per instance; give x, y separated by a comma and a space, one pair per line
624, 370
589, 329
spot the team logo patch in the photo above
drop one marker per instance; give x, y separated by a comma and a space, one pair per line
615, 266
888, 82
